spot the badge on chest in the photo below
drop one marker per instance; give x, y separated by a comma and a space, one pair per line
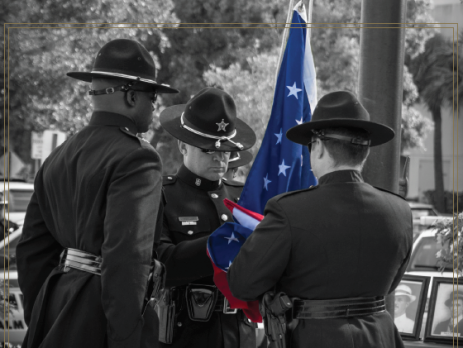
188, 220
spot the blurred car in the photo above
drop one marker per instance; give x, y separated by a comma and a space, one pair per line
423, 262
17, 194
12, 324
420, 210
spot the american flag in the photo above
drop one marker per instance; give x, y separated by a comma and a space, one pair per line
280, 165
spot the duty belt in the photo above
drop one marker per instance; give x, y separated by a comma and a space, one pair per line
341, 308
222, 305
81, 260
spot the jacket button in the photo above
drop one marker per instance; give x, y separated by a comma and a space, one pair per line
224, 217
169, 178
179, 324
214, 195
190, 232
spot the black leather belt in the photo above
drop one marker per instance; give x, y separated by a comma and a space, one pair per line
223, 306
81, 260
341, 308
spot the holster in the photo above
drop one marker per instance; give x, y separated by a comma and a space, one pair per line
200, 301
156, 282
273, 308
165, 308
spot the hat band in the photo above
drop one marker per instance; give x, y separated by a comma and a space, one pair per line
218, 138
124, 76
355, 140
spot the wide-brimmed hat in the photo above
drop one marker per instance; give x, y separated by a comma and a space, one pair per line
404, 290
340, 109
453, 297
124, 59
239, 158
208, 121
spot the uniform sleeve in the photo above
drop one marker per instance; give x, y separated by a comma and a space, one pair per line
37, 254
263, 257
185, 262
133, 200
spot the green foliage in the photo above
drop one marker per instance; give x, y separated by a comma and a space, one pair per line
449, 235
188, 57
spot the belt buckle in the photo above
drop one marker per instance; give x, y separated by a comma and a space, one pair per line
226, 307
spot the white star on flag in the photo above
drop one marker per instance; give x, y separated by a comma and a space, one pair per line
232, 238
299, 121
266, 182
279, 135
283, 168
229, 264
293, 90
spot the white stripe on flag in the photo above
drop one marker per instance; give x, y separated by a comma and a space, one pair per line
244, 219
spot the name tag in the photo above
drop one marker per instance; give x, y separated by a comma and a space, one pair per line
188, 220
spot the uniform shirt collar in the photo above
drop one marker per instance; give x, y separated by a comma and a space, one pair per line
190, 178
104, 118
341, 176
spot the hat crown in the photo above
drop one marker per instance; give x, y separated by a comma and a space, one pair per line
404, 289
126, 57
340, 105
211, 111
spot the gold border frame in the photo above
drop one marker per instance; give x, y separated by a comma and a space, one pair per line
6, 75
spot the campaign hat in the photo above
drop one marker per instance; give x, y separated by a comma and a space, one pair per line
404, 290
239, 159
453, 297
124, 59
341, 109
208, 121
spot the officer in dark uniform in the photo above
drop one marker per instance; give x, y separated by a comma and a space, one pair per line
85, 255
208, 130
338, 247
237, 159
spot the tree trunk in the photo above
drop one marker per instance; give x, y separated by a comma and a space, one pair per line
438, 168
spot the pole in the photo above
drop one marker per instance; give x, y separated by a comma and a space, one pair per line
381, 87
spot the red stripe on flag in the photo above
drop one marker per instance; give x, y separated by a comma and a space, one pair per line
231, 205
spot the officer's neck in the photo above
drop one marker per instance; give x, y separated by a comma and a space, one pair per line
195, 180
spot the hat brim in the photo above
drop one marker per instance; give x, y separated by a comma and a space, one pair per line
245, 158
88, 76
448, 302
411, 297
170, 121
379, 134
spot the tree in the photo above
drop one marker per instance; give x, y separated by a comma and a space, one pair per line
39, 93
435, 74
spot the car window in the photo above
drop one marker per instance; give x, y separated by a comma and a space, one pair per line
20, 200
12, 255
424, 256
417, 213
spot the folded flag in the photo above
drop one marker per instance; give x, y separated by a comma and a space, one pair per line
222, 247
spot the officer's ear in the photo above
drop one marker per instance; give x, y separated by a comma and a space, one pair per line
182, 147
131, 97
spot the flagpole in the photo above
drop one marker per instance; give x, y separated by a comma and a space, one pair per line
309, 18
285, 38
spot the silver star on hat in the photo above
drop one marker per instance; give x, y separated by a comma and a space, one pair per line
222, 126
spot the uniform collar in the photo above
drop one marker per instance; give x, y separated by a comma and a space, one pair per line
341, 176
105, 118
190, 178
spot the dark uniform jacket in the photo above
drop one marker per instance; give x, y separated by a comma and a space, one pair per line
194, 209
448, 328
340, 239
98, 192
